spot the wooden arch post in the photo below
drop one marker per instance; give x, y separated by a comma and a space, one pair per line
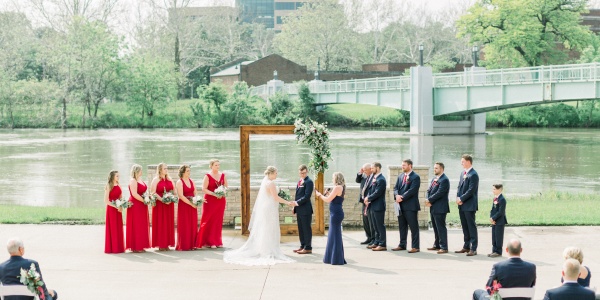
245, 132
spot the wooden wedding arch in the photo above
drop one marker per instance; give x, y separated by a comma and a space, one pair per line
245, 132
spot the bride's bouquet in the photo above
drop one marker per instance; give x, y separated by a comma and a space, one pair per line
123, 203
197, 200
285, 195
149, 200
32, 279
169, 197
220, 191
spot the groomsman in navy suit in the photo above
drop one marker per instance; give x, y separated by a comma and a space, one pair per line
437, 201
466, 198
406, 194
303, 210
498, 220
375, 202
364, 177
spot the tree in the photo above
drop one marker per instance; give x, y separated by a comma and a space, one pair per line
318, 30
525, 32
150, 80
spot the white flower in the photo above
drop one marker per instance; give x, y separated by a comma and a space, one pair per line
118, 203
146, 199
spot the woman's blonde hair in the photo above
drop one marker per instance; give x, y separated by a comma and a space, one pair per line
573, 252
182, 170
135, 169
270, 170
338, 179
159, 167
212, 162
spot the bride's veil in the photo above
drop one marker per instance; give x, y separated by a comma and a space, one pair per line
262, 199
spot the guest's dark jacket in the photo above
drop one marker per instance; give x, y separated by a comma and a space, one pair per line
498, 212
409, 191
570, 291
513, 272
467, 191
362, 179
438, 195
10, 271
377, 191
303, 194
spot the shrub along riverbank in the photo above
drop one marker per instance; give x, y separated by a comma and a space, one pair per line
549, 209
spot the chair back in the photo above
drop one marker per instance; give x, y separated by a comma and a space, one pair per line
522, 292
16, 290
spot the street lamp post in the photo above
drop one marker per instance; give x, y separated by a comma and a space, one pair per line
421, 55
475, 54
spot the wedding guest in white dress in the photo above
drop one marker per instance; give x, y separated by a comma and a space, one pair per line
262, 247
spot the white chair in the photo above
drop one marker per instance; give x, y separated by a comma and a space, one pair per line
15, 290
525, 292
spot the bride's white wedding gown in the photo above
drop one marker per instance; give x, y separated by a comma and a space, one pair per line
262, 247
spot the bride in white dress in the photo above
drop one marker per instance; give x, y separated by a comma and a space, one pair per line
262, 247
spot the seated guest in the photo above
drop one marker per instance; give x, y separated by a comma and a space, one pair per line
585, 274
10, 270
570, 289
513, 272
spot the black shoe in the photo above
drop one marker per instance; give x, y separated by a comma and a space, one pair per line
365, 242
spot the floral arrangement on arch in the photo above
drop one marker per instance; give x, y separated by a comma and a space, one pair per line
315, 135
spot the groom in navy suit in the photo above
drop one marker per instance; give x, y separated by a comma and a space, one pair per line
304, 211
406, 194
10, 270
437, 201
466, 198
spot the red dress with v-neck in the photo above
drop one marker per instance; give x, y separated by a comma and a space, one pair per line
211, 223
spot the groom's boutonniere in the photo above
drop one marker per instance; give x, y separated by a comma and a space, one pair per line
373, 181
301, 183
465, 176
495, 202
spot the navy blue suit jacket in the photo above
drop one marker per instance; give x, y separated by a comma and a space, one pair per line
362, 179
513, 272
570, 291
498, 213
376, 193
438, 195
467, 191
10, 271
409, 191
303, 194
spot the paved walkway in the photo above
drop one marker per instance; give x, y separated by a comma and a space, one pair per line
73, 262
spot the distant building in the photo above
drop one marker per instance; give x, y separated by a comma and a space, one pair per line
267, 12
592, 19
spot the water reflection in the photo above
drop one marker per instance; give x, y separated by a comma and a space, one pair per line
69, 168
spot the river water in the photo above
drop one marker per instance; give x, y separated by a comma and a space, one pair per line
69, 168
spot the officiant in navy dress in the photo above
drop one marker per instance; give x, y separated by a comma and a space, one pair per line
334, 251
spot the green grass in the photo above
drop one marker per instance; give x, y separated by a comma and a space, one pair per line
549, 209
14, 214
361, 111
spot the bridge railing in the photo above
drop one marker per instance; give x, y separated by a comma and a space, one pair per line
542, 74
358, 85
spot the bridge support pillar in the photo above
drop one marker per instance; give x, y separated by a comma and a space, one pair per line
421, 100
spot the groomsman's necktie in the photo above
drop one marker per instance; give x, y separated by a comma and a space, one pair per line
432, 182
366, 185
404, 180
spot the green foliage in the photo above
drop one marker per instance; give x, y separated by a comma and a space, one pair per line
525, 32
240, 108
214, 94
151, 83
551, 115
306, 105
279, 110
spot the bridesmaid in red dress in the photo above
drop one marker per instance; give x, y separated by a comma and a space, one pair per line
187, 213
211, 223
138, 225
114, 242
163, 215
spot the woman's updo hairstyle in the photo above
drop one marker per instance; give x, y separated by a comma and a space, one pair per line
270, 170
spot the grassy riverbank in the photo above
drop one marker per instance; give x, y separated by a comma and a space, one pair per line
552, 208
